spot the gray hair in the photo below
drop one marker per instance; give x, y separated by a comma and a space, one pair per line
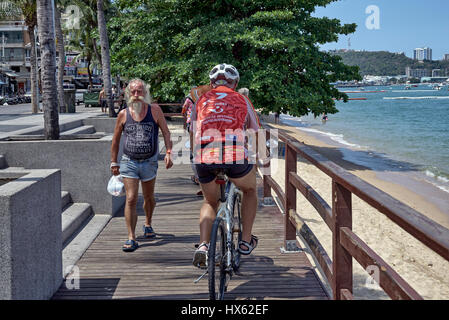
146, 90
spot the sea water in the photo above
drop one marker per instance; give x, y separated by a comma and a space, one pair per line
396, 130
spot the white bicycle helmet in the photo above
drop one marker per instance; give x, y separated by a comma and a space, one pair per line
228, 71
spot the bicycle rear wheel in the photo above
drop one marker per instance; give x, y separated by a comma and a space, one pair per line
216, 263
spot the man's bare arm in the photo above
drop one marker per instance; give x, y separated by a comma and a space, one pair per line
121, 119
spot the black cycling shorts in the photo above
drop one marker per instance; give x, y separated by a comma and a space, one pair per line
206, 172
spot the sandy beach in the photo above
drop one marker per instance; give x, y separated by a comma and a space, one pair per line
423, 269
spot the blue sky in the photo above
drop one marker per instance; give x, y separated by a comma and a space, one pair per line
403, 25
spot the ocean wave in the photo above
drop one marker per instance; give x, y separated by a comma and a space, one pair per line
416, 98
305, 126
446, 189
410, 91
333, 136
437, 176
438, 179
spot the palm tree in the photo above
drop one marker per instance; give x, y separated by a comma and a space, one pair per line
61, 54
105, 57
45, 15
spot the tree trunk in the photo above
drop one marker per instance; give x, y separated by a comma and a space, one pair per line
94, 46
45, 17
105, 58
89, 73
34, 76
61, 62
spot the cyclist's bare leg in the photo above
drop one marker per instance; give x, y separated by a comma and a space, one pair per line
132, 193
148, 200
249, 202
211, 193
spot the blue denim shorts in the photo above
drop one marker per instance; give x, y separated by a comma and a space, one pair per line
144, 170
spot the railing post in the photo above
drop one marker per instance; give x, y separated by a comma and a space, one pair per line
266, 167
290, 195
342, 260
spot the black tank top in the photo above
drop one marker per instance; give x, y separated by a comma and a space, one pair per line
140, 137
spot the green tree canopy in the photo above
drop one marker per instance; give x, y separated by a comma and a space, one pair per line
274, 44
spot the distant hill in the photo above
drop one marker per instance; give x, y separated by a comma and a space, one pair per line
383, 63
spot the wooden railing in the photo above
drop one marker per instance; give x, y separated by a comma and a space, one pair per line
162, 105
338, 217
170, 114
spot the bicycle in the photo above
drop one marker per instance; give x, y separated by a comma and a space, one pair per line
223, 258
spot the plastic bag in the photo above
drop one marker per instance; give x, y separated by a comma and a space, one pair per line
116, 186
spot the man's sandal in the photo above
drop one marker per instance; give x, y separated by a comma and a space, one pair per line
133, 245
250, 246
200, 256
148, 232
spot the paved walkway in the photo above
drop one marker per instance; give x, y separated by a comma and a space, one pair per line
162, 268
18, 119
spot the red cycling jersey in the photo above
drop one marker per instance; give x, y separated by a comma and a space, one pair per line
220, 126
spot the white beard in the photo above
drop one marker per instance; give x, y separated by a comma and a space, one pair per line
137, 106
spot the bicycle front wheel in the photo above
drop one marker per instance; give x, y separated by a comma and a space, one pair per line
216, 261
237, 230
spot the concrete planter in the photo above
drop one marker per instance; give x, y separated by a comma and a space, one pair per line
30, 234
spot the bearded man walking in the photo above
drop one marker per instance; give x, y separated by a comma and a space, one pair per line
140, 124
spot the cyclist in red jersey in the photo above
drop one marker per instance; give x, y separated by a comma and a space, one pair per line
220, 120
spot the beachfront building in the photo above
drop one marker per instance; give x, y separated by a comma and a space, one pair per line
422, 54
15, 62
438, 73
14, 56
416, 73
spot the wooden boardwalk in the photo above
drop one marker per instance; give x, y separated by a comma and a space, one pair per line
162, 268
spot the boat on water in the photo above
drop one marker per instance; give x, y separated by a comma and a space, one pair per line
351, 99
438, 86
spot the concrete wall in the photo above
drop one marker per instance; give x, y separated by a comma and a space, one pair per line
107, 125
84, 167
30, 235
101, 124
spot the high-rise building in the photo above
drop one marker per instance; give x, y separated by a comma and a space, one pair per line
446, 56
421, 54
